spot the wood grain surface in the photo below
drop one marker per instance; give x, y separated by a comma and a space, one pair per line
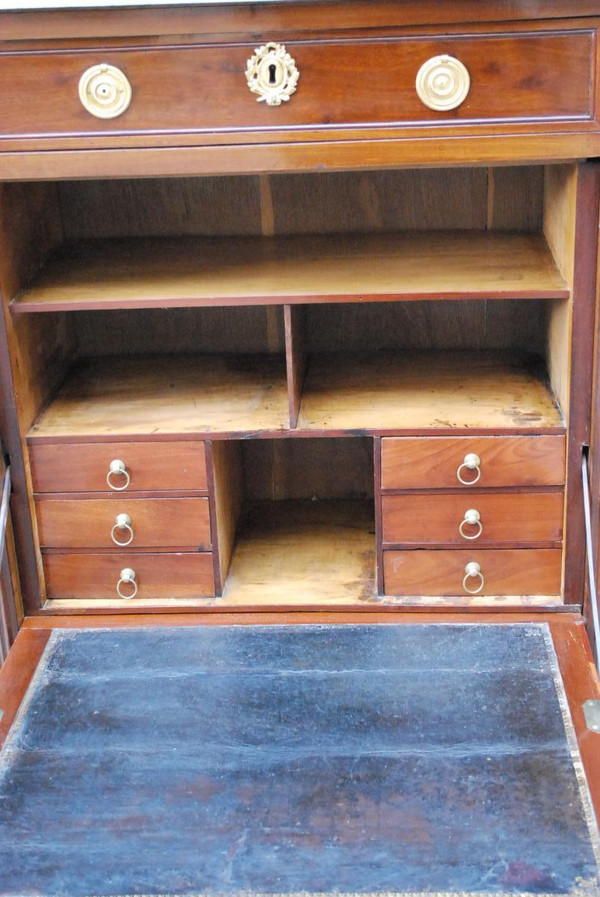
303, 553
156, 523
429, 519
418, 391
227, 494
183, 394
378, 392
48, 24
84, 467
295, 354
522, 572
130, 273
536, 77
415, 462
164, 576
312, 468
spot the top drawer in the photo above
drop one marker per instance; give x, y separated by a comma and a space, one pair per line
522, 76
446, 462
145, 466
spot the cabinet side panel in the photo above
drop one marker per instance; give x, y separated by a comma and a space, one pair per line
582, 345
34, 353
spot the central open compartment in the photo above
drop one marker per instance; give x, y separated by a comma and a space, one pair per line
304, 520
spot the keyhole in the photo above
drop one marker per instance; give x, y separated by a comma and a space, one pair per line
272, 73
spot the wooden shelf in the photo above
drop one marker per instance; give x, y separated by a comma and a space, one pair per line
222, 394
150, 396
411, 392
166, 272
303, 553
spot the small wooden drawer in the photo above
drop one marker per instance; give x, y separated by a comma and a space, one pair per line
521, 573
148, 466
129, 522
197, 92
157, 576
484, 518
446, 462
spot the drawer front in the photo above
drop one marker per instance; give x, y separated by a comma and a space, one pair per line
147, 467
157, 576
447, 574
416, 519
130, 522
440, 462
517, 76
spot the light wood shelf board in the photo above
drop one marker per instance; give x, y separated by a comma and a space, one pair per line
303, 553
386, 392
500, 603
168, 272
427, 390
168, 394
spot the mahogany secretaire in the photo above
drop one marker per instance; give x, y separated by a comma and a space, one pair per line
299, 317
299, 303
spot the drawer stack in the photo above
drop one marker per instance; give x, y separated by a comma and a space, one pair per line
472, 516
124, 520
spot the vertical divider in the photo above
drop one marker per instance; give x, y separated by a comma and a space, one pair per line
295, 357
378, 515
224, 469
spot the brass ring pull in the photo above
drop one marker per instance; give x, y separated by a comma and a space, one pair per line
471, 462
472, 518
127, 577
117, 468
122, 522
473, 571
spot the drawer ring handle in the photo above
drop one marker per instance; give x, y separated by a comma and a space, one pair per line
471, 462
127, 577
473, 571
117, 468
472, 518
122, 522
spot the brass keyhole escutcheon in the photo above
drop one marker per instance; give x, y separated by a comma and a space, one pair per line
272, 74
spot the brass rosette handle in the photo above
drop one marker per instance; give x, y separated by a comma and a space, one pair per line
105, 91
443, 83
